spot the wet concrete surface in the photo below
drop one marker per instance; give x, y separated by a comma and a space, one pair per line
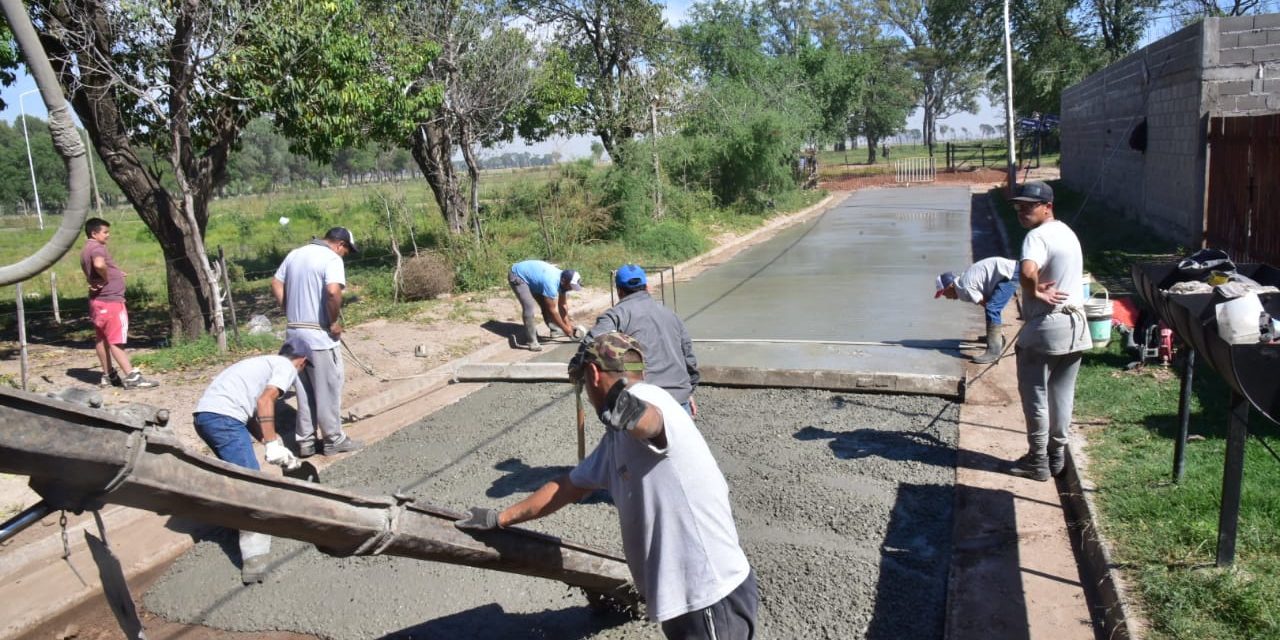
861, 272
843, 503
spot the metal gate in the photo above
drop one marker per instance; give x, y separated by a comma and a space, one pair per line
914, 170
1242, 215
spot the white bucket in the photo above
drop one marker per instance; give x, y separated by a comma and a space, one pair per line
1238, 319
1087, 279
1098, 312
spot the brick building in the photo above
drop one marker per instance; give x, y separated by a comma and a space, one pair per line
1134, 134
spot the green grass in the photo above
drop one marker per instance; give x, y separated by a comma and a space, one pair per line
1165, 534
201, 353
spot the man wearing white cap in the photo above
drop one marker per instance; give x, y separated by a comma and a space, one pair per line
540, 284
991, 283
241, 403
308, 287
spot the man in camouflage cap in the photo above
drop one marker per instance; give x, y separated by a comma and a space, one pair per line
673, 502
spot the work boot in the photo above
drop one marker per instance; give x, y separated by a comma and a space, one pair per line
995, 344
306, 448
531, 333
254, 570
1057, 462
1031, 466
343, 444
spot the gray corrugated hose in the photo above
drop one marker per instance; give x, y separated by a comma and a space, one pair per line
66, 141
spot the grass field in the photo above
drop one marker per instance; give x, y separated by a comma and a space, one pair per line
1165, 534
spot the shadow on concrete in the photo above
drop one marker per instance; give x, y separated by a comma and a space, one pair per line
509, 330
87, 376
911, 593
491, 621
985, 550
522, 478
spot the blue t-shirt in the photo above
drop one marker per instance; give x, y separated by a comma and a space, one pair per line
543, 277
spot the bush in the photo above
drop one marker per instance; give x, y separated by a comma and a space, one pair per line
426, 276
668, 241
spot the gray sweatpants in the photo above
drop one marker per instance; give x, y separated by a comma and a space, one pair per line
732, 618
1047, 385
319, 391
528, 306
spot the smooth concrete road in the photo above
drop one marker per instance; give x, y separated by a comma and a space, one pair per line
862, 272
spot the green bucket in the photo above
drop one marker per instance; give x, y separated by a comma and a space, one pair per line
1098, 313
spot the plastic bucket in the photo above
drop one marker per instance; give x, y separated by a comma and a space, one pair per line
1098, 313
1087, 279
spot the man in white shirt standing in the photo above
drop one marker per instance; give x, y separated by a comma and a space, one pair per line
239, 403
673, 503
1055, 333
308, 287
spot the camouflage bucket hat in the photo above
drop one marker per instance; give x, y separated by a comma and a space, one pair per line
607, 353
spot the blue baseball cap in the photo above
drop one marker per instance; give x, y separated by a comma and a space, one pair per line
630, 276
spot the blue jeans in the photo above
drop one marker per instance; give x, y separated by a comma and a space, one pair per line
229, 438
1000, 299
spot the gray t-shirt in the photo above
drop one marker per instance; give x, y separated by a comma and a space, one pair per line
234, 392
673, 508
305, 272
1053, 247
978, 283
668, 351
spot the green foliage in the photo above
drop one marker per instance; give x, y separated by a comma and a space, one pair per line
667, 241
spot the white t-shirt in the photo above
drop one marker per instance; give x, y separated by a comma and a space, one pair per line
1054, 248
234, 392
978, 283
305, 272
673, 508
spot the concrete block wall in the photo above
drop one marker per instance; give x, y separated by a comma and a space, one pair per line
1161, 84
1220, 67
1242, 65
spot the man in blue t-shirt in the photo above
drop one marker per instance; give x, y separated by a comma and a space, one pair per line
539, 284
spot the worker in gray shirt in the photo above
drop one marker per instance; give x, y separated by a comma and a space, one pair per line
669, 359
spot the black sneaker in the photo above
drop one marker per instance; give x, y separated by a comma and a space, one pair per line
1032, 467
135, 381
1057, 463
306, 448
111, 379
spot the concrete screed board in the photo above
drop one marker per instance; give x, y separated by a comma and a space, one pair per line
862, 271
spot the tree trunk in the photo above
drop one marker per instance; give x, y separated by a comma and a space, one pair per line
432, 149
872, 145
473, 171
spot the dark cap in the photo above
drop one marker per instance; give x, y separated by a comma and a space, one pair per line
945, 280
630, 276
607, 352
571, 279
1034, 191
343, 235
295, 347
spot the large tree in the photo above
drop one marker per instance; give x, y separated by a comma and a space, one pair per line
615, 46
950, 78
164, 89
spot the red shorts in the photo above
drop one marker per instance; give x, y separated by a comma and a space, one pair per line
110, 320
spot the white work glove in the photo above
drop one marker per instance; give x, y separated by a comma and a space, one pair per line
280, 455
579, 332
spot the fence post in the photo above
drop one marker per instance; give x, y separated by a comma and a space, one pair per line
53, 292
231, 299
22, 334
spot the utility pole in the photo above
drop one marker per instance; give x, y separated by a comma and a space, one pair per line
1008, 103
657, 168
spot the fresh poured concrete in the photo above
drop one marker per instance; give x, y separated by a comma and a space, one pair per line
850, 291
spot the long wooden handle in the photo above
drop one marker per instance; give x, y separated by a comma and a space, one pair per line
582, 431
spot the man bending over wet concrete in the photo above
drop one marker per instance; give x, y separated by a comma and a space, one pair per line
673, 502
538, 284
668, 351
1054, 334
241, 400
991, 283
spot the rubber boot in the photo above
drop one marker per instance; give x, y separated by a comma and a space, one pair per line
531, 333
995, 344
